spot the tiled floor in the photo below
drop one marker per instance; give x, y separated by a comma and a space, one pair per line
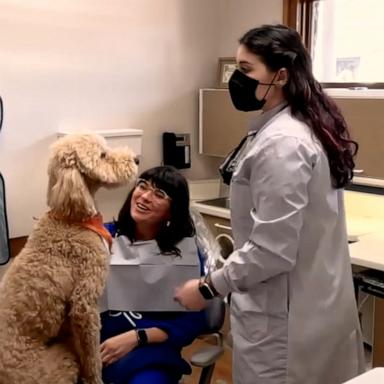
222, 373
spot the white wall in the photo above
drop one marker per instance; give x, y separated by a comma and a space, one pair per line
102, 64
238, 16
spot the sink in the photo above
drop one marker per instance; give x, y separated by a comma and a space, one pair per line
220, 202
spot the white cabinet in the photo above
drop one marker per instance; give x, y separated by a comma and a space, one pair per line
364, 113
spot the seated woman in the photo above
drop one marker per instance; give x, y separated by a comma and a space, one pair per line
146, 347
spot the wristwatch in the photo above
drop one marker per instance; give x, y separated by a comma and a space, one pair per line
142, 337
207, 289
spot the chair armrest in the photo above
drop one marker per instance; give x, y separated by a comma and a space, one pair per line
206, 356
217, 336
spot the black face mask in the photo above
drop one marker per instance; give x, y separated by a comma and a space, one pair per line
243, 92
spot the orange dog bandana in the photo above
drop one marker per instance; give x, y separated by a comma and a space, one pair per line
95, 224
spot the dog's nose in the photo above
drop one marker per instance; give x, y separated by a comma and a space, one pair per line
137, 160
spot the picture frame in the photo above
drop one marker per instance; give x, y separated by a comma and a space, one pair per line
227, 66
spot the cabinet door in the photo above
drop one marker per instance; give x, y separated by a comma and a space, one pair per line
365, 118
221, 126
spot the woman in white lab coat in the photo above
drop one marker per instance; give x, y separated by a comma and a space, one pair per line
293, 313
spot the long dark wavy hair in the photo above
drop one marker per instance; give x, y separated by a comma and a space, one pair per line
279, 46
180, 223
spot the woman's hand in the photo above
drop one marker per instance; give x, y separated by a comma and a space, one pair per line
118, 346
189, 296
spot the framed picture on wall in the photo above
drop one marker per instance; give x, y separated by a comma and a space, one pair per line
227, 66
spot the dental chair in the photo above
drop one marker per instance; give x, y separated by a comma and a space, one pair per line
206, 357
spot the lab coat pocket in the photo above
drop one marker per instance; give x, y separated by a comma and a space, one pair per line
249, 317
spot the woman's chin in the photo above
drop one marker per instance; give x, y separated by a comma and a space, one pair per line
139, 216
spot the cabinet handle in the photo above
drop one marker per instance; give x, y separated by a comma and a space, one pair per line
358, 171
221, 226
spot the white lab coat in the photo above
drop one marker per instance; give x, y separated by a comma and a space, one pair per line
293, 312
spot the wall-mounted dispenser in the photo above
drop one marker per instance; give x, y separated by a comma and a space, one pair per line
115, 137
177, 150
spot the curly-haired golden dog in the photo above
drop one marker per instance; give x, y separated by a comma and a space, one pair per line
49, 318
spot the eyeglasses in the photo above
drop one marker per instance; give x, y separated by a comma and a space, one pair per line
143, 186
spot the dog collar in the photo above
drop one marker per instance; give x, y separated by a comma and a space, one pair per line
94, 223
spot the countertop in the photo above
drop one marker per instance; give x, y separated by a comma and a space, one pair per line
210, 210
365, 226
374, 376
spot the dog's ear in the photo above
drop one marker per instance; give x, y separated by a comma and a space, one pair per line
68, 195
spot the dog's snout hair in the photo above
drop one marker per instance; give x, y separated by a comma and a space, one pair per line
79, 165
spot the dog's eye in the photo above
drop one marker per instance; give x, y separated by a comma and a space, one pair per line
103, 155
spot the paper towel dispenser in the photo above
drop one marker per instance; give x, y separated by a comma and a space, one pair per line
177, 150
131, 138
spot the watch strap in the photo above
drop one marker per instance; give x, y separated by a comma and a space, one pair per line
208, 280
206, 290
142, 337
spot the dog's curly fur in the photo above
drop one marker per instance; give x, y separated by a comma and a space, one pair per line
49, 318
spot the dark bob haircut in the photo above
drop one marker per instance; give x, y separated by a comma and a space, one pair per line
181, 224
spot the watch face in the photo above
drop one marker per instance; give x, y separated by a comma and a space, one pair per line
205, 291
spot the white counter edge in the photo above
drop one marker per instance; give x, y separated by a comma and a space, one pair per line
213, 211
357, 248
